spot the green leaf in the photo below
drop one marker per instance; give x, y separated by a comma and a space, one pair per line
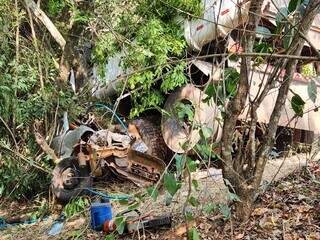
153, 192
283, 12
189, 216
233, 197
209, 208
297, 105
225, 211
312, 91
206, 132
193, 234
171, 184
110, 237
180, 163
185, 111
120, 223
293, 5
232, 77
123, 201
193, 201
205, 150
134, 206
210, 90
191, 165
195, 184
288, 37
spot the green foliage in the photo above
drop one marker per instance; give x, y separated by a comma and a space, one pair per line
293, 5
150, 35
225, 211
193, 201
206, 132
76, 206
171, 184
22, 101
308, 70
174, 79
312, 90
185, 112
153, 193
221, 92
191, 165
297, 105
193, 234
209, 208
110, 236
120, 223
54, 7
20, 181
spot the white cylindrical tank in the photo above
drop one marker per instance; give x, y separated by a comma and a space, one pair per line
219, 18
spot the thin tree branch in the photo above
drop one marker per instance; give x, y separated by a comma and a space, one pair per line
312, 10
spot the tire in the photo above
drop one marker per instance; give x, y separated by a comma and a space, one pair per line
82, 180
152, 137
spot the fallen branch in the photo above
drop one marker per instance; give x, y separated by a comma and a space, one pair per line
43, 144
45, 147
35, 9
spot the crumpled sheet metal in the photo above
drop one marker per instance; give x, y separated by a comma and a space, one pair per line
63, 144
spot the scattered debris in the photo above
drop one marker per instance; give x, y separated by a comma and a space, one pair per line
133, 224
57, 226
100, 213
129, 154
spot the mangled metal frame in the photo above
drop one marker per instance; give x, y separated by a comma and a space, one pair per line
123, 154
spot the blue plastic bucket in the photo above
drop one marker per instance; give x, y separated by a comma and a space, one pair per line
100, 212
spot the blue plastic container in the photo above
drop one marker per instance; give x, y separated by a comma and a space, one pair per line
100, 212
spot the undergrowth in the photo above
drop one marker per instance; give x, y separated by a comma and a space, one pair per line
23, 101
149, 34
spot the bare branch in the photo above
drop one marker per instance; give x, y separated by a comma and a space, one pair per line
46, 21
296, 47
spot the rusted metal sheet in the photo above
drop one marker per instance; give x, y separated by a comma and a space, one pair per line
140, 168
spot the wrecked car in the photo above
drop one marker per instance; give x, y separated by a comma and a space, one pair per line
139, 152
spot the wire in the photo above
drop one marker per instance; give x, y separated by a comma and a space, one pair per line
4, 224
109, 197
100, 105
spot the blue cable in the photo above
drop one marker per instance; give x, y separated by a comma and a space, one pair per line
115, 114
4, 224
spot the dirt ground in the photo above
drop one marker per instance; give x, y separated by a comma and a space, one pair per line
289, 209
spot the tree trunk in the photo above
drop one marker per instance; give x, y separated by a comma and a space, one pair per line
245, 206
246, 180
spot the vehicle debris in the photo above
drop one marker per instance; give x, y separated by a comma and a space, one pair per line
90, 154
133, 223
57, 226
100, 212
